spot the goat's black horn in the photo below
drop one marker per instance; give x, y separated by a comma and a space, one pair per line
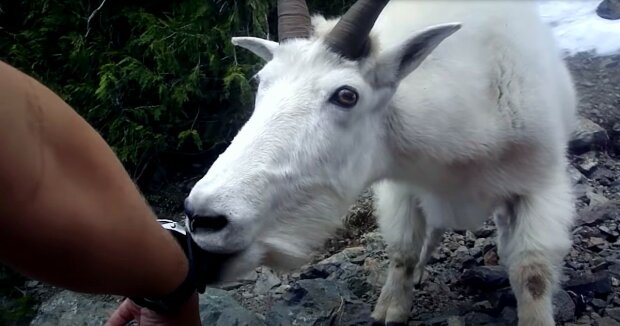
350, 35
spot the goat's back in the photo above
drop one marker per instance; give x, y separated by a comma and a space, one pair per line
499, 79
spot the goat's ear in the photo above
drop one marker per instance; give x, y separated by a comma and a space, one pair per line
260, 47
398, 62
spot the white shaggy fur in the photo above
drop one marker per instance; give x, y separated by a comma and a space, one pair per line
474, 125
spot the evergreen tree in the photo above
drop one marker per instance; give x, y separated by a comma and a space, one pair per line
155, 78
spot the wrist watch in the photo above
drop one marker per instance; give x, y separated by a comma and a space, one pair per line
170, 303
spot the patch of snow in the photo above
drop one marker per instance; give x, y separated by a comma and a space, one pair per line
578, 28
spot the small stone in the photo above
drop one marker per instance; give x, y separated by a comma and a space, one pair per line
613, 313
455, 321
230, 285
485, 277
470, 239
491, 258
606, 321
587, 163
462, 257
598, 284
32, 284
605, 229
596, 199
575, 176
376, 272
462, 250
251, 276
583, 320
509, 315
587, 136
615, 186
217, 307
485, 231
615, 282
596, 242
475, 252
267, 280
574, 265
598, 303
477, 318
563, 306
599, 213
483, 305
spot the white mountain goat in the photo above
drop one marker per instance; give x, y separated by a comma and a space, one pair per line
454, 111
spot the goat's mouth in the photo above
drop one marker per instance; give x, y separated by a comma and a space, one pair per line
211, 267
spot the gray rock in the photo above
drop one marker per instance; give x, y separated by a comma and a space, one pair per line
595, 242
596, 198
70, 308
351, 254
575, 176
485, 277
586, 284
613, 313
598, 213
606, 321
477, 318
487, 230
598, 303
563, 306
461, 257
491, 258
319, 302
587, 163
373, 241
376, 271
509, 315
483, 305
587, 136
609, 9
218, 308
266, 281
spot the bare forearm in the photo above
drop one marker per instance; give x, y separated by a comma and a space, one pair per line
69, 213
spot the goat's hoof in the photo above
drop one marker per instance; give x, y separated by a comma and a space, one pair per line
395, 323
374, 322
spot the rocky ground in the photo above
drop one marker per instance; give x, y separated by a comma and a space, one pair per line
465, 282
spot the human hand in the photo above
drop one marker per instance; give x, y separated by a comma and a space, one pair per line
128, 311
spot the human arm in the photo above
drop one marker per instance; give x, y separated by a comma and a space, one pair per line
69, 213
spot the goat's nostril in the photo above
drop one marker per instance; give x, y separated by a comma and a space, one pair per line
210, 223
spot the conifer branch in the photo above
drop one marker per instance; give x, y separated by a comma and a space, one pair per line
91, 17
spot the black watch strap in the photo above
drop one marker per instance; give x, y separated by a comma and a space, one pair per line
171, 303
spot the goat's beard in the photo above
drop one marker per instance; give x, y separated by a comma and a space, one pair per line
291, 247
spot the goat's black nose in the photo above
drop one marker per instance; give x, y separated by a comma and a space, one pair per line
209, 223
189, 212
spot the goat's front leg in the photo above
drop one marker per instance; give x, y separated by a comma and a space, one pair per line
403, 228
533, 239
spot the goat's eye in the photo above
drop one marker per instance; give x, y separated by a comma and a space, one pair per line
345, 97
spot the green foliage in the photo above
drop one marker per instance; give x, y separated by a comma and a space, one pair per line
152, 77
15, 306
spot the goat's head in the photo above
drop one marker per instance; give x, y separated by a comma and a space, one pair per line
316, 138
